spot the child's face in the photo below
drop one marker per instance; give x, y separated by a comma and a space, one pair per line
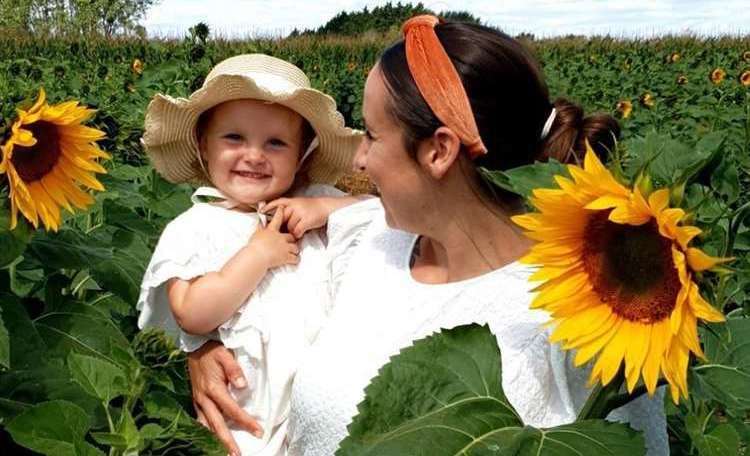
251, 149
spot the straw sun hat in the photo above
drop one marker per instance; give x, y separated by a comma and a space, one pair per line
170, 136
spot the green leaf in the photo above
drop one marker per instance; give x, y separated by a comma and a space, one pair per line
592, 437
123, 271
721, 440
127, 428
726, 375
4, 345
53, 428
69, 249
12, 242
97, 377
524, 179
83, 329
443, 396
25, 344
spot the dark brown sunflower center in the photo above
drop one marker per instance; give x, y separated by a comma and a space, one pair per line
631, 268
33, 163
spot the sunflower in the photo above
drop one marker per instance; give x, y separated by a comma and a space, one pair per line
48, 158
745, 78
648, 100
682, 79
624, 107
137, 66
673, 57
746, 56
717, 76
617, 273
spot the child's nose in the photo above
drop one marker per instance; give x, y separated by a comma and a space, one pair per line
254, 154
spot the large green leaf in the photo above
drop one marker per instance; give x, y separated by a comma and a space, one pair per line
123, 271
54, 428
12, 242
443, 396
726, 375
97, 377
720, 441
83, 329
69, 249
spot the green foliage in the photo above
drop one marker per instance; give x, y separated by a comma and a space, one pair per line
443, 396
86, 17
388, 17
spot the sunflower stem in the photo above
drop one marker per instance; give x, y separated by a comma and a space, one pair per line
598, 405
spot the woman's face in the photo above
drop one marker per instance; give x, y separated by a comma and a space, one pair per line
382, 155
251, 149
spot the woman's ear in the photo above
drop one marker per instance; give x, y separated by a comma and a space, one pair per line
438, 153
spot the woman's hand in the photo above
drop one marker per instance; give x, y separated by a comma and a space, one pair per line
275, 247
211, 368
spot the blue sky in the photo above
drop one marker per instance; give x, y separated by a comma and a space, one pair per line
238, 18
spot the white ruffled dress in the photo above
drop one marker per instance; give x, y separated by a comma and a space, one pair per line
272, 330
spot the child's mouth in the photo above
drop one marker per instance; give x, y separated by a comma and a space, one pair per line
251, 174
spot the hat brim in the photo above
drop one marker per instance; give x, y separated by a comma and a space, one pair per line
170, 134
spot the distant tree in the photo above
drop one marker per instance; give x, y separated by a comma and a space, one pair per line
383, 18
106, 17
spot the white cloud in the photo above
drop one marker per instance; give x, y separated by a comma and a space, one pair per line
541, 17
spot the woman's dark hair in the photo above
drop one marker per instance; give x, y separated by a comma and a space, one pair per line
508, 96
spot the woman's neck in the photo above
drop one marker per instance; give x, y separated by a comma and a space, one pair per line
469, 238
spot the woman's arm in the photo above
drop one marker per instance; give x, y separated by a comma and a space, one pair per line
200, 305
212, 367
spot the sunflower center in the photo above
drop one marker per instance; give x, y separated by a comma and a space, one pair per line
33, 163
631, 268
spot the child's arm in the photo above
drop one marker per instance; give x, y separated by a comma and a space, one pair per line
303, 214
202, 304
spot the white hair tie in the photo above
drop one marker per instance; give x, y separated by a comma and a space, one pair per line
548, 123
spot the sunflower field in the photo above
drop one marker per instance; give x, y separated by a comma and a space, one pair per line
81, 211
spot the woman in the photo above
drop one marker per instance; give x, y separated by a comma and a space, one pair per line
447, 100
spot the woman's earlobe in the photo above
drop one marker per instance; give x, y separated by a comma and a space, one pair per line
442, 152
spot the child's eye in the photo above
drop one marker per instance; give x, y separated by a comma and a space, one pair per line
276, 142
233, 136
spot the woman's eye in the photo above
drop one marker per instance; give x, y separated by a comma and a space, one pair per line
368, 135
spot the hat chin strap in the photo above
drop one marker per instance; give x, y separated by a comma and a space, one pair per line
313, 145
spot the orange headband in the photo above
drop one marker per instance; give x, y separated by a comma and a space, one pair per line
439, 83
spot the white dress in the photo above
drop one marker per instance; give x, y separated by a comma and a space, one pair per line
272, 329
379, 309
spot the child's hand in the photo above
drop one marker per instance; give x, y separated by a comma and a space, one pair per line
275, 247
302, 214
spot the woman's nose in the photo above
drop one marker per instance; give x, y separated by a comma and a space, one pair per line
360, 158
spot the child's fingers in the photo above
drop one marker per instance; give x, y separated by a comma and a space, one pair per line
292, 221
292, 259
275, 204
300, 229
278, 217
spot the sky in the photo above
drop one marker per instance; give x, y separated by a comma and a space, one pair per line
619, 18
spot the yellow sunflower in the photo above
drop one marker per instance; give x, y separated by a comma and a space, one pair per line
617, 275
48, 158
624, 107
648, 100
682, 79
717, 76
745, 78
137, 66
674, 57
746, 56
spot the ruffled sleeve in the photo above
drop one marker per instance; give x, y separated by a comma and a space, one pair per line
177, 255
345, 226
